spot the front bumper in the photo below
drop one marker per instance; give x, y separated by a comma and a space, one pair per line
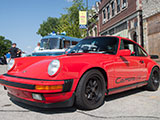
67, 103
21, 89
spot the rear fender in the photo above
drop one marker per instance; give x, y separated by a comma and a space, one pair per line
150, 66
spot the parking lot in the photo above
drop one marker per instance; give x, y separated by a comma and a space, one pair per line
136, 104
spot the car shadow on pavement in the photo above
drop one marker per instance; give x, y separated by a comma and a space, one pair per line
45, 110
123, 94
73, 109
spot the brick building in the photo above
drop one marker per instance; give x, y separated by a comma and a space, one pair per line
151, 25
93, 20
121, 18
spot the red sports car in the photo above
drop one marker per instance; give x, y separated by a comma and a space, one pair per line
95, 67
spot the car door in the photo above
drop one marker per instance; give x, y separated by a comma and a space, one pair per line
127, 70
142, 58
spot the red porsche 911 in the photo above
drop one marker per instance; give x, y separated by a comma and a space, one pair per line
95, 67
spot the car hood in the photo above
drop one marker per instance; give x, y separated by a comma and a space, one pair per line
37, 67
32, 67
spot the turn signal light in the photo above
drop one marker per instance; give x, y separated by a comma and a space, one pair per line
49, 87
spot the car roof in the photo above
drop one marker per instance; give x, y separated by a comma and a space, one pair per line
62, 36
119, 37
112, 36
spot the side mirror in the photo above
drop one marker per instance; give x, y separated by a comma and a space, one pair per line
154, 56
125, 52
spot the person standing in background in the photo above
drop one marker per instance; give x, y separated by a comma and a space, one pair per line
38, 47
13, 51
19, 53
8, 57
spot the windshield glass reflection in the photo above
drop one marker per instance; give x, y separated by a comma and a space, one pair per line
97, 45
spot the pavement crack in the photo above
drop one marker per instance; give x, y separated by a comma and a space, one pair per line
14, 111
7, 105
118, 117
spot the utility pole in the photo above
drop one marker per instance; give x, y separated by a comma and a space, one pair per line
87, 17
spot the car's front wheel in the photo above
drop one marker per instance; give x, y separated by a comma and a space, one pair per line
90, 91
154, 80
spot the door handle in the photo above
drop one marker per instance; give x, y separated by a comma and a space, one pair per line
141, 61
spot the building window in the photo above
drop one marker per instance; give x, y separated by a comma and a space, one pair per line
121, 27
108, 12
111, 32
118, 5
124, 4
104, 15
113, 8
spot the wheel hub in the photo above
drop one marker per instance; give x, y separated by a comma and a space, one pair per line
92, 89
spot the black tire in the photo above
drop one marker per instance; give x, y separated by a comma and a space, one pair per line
90, 91
154, 79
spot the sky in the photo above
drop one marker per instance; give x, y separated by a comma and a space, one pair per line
21, 19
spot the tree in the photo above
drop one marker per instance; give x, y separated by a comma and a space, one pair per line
5, 44
67, 22
63, 23
73, 18
48, 26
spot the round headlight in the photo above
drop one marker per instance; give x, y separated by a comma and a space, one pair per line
53, 67
11, 64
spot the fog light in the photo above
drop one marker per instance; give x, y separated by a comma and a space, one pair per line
49, 87
37, 96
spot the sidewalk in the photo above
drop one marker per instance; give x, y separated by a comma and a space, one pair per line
158, 63
3, 69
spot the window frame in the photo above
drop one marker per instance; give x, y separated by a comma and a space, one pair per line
123, 7
113, 8
108, 12
136, 46
104, 15
142, 50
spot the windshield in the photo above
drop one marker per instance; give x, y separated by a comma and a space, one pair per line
51, 43
107, 45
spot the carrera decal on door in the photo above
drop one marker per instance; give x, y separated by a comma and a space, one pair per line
123, 80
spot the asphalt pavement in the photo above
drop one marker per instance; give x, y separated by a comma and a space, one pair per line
136, 104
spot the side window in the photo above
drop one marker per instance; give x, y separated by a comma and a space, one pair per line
66, 43
74, 42
141, 52
125, 44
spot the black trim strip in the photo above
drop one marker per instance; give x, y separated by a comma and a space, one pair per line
127, 86
26, 78
19, 85
66, 86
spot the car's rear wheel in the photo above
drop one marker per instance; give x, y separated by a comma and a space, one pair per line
153, 83
90, 91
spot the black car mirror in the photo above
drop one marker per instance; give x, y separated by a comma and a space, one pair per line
154, 56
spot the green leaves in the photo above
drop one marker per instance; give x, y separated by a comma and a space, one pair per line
48, 26
67, 22
4, 45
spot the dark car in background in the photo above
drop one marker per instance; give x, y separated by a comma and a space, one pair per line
2, 60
